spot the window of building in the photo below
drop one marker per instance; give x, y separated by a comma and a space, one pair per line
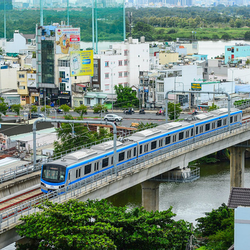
106, 75
126, 84
106, 64
21, 76
160, 97
125, 52
62, 74
125, 73
62, 86
106, 87
120, 63
120, 74
88, 101
161, 87
21, 87
125, 62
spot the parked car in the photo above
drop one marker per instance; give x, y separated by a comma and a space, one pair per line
36, 115
113, 117
59, 111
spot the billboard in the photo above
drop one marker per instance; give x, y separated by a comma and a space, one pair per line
67, 40
81, 63
195, 86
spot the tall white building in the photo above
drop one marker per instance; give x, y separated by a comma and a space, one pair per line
121, 64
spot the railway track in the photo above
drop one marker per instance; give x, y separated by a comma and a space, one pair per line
19, 199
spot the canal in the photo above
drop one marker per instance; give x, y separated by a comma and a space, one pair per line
190, 200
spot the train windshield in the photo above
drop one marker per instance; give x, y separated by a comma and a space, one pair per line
53, 173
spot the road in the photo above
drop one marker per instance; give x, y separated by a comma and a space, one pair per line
149, 117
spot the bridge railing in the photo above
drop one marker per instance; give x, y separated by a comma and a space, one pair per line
107, 177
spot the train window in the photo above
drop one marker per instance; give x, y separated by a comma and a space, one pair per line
105, 162
213, 125
192, 132
112, 160
121, 156
153, 145
225, 121
76, 173
197, 131
174, 138
96, 166
129, 154
181, 135
235, 118
134, 151
167, 140
219, 123
141, 149
187, 134
146, 148
207, 127
201, 129
160, 143
87, 169
79, 173
231, 119
69, 176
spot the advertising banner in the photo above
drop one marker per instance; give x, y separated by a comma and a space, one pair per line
81, 63
67, 40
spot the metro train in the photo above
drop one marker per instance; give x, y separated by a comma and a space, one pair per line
99, 159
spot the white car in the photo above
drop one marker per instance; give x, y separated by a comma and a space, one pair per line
112, 117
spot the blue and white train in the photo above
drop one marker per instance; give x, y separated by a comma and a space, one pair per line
99, 159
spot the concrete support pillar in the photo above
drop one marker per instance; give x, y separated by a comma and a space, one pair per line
150, 195
237, 166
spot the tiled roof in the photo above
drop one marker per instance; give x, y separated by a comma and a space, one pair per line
231, 248
239, 197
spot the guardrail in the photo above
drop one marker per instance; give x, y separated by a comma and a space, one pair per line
92, 183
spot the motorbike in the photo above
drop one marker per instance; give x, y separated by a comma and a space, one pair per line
160, 113
129, 112
142, 111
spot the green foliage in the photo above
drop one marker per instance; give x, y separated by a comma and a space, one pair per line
174, 110
98, 108
16, 108
126, 97
65, 108
217, 228
82, 109
205, 160
3, 107
143, 126
1, 51
100, 225
241, 102
48, 107
226, 36
33, 109
74, 136
213, 107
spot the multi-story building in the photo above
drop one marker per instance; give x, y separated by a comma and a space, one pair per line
120, 64
233, 54
8, 4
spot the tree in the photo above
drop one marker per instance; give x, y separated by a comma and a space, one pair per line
126, 97
216, 229
100, 225
247, 35
3, 107
174, 110
98, 108
1, 51
48, 107
16, 108
65, 108
225, 36
33, 109
82, 109
213, 107
73, 136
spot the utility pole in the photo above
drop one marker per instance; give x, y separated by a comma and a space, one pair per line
130, 23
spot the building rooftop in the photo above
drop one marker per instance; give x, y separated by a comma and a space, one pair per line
239, 197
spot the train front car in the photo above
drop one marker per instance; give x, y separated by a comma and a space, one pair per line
52, 177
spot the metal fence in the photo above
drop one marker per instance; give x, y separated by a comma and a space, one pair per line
127, 169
